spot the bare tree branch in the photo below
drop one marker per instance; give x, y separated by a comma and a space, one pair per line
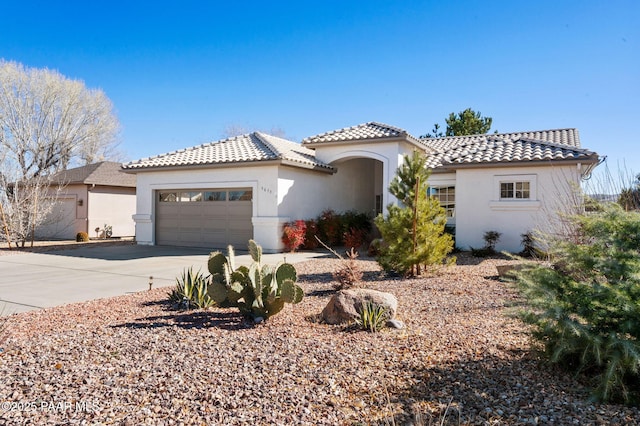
47, 124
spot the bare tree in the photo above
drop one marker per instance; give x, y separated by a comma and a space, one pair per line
47, 124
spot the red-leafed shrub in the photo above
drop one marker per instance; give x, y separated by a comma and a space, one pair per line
330, 228
293, 234
354, 238
310, 241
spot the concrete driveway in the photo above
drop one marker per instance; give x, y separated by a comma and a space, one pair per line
32, 281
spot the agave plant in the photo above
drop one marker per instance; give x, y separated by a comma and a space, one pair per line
191, 289
373, 317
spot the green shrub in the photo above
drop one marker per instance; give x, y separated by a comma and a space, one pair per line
529, 247
491, 238
585, 307
352, 219
82, 237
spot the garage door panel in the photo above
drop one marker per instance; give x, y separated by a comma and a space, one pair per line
237, 225
241, 208
208, 221
239, 240
190, 236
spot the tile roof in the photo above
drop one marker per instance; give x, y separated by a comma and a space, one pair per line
562, 144
367, 131
557, 136
252, 147
106, 173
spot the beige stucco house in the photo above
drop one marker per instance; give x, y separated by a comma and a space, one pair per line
249, 186
91, 197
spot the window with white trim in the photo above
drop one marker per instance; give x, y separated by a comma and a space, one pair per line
515, 190
446, 195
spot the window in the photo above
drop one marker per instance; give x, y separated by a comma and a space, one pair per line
519, 190
168, 197
190, 196
215, 196
244, 195
446, 195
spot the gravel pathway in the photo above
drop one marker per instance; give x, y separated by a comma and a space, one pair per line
131, 360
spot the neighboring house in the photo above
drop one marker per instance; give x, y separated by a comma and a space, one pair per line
249, 186
91, 197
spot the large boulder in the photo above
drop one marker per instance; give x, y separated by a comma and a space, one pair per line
345, 304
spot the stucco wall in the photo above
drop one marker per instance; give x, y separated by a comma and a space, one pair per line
66, 217
304, 195
479, 208
113, 206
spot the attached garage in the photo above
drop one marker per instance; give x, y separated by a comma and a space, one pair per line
227, 192
213, 217
60, 223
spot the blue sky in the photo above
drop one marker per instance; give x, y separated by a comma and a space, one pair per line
179, 73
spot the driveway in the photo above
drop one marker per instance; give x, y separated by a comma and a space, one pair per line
32, 281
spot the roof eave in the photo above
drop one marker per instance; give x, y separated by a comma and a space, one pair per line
407, 139
254, 163
590, 160
201, 166
314, 167
119, 185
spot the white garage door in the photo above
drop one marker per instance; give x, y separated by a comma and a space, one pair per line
60, 223
211, 218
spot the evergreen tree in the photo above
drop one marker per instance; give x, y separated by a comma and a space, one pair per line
413, 233
467, 122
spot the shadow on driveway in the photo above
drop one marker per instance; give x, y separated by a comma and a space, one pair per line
129, 252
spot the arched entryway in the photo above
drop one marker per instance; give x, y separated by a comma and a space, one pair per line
360, 182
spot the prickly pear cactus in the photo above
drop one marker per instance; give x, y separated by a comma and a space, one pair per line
227, 285
255, 251
259, 290
276, 287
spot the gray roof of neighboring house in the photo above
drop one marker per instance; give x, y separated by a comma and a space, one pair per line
370, 131
544, 145
107, 173
252, 147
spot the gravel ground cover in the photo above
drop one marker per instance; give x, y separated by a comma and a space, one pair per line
132, 360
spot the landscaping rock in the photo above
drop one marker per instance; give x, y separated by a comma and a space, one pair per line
344, 305
394, 323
